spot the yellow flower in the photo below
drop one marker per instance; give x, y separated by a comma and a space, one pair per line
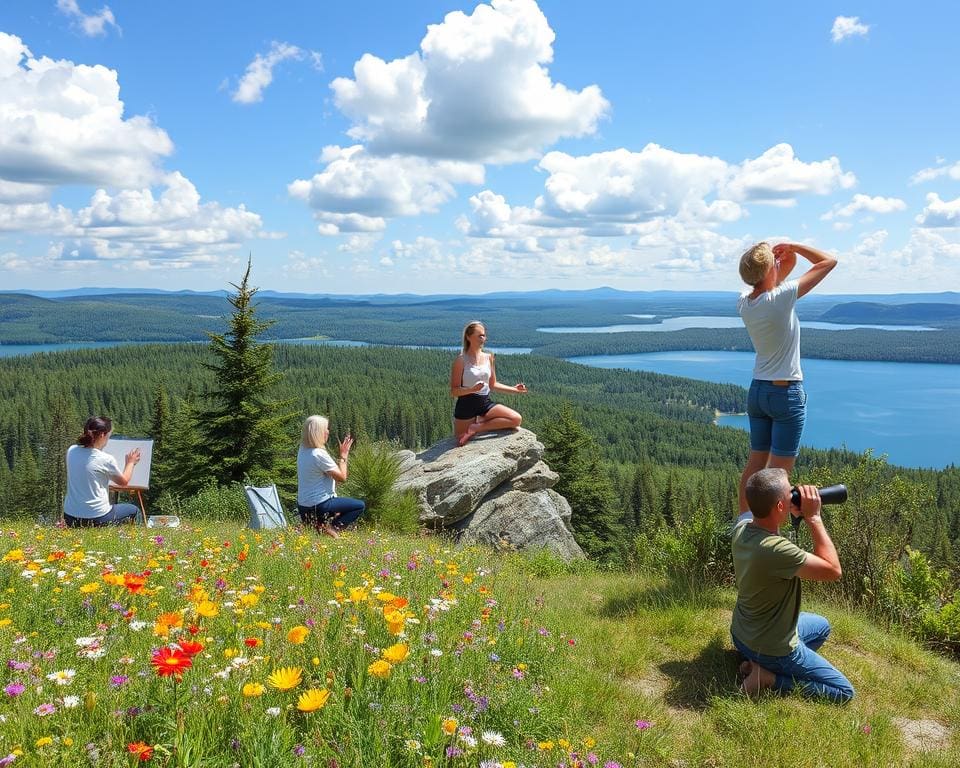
5, 622
285, 678
357, 594
386, 597
563, 744
545, 746
253, 689
229, 653
298, 634
312, 700
207, 609
589, 742
449, 726
249, 600
86, 589
509, 764
67, 741
43, 741
13, 556
396, 653
380, 668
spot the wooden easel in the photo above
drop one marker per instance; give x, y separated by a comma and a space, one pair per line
118, 489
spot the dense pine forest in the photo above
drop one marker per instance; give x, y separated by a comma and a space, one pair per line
654, 434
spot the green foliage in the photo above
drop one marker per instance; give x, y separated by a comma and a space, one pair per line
374, 469
244, 428
697, 546
573, 454
215, 503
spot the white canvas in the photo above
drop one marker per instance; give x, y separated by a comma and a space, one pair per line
119, 447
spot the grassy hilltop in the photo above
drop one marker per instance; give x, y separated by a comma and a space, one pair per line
380, 650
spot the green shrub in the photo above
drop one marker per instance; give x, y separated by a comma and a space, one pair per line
921, 599
374, 469
697, 546
214, 503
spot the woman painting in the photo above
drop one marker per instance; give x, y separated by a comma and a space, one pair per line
472, 379
90, 471
317, 477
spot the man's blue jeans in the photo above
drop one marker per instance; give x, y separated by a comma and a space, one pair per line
805, 669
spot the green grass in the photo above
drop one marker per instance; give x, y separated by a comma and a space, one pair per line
561, 662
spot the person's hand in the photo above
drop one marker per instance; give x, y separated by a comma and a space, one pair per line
780, 250
478, 387
809, 502
521, 387
133, 457
345, 446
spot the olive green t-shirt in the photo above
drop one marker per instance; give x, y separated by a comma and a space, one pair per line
768, 590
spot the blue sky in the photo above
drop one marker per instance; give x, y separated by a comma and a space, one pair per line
435, 147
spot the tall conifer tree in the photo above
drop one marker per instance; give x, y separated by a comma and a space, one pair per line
244, 427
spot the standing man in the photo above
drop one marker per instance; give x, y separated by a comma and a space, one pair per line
779, 641
776, 403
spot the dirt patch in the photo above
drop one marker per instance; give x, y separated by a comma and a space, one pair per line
653, 686
923, 735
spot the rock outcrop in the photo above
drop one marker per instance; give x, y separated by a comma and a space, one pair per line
495, 490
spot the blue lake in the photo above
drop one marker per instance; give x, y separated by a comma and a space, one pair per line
714, 321
905, 410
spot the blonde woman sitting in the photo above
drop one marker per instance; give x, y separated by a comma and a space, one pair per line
317, 476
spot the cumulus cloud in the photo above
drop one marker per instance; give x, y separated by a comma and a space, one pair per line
936, 172
63, 123
848, 26
358, 192
865, 204
477, 90
259, 73
940, 213
92, 24
778, 177
615, 193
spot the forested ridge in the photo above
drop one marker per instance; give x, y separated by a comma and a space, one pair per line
512, 321
654, 435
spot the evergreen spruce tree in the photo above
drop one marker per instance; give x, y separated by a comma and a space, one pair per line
244, 428
572, 453
60, 435
159, 431
644, 508
184, 471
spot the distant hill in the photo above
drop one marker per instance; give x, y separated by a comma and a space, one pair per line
893, 314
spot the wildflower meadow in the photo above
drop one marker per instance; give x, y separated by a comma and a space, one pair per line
225, 647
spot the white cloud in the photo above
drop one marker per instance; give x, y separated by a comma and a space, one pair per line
92, 24
615, 193
778, 177
299, 264
259, 73
940, 213
35, 218
848, 26
62, 123
358, 243
478, 90
929, 174
358, 192
865, 203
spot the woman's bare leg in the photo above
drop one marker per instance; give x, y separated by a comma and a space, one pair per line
498, 417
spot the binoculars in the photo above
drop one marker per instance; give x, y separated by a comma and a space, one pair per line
832, 494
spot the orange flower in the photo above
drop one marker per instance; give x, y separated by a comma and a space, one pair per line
140, 750
396, 653
170, 661
380, 668
298, 634
190, 647
134, 582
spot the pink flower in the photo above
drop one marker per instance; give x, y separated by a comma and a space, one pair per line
44, 710
867, 729
14, 689
642, 725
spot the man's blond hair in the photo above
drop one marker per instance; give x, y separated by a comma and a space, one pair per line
755, 263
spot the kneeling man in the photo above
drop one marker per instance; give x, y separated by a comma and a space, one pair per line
779, 641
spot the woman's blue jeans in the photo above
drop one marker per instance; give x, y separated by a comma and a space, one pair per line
339, 511
776, 417
119, 513
805, 669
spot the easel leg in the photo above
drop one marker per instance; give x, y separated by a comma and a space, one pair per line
143, 509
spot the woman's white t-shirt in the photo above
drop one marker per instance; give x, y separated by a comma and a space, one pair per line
314, 485
774, 329
89, 472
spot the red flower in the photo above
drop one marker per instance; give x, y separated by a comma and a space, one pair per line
134, 582
141, 750
193, 629
252, 642
190, 647
170, 661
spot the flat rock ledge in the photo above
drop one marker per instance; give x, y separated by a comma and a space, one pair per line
496, 490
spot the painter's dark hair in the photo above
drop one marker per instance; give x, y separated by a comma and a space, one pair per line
95, 426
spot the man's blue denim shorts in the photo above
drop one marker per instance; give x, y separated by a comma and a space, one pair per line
777, 414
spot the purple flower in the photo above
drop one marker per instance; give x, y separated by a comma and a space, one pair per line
299, 750
612, 764
8, 760
642, 725
14, 689
453, 751
20, 666
592, 758
118, 680
45, 709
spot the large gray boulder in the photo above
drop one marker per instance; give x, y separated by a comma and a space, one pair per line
495, 490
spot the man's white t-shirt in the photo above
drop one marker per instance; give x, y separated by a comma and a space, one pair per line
774, 329
314, 485
89, 472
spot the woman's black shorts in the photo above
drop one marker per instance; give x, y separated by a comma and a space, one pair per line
471, 406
